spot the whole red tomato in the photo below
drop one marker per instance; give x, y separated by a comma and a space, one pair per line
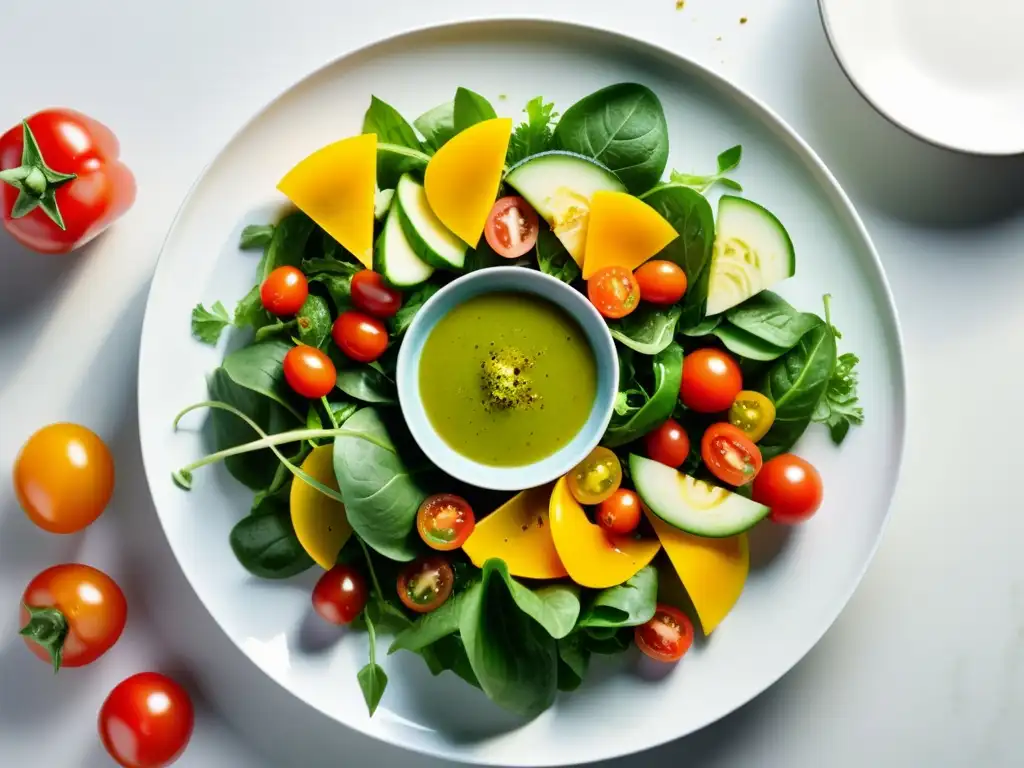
62, 181
146, 721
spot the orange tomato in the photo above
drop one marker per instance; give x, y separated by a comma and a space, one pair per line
64, 477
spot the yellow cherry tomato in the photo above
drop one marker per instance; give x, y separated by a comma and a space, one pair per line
64, 477
753, 413
595, 478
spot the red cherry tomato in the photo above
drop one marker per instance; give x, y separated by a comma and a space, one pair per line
372, 295
667, 636
361, 337
70, 174
284, 291
731, 456
64, 477
620, 512
309, 372
512, 227
146, 721
668, 444
614, 291
340, 595
661, 282
425, 583
445, 521
72, 614
711, 381
790, 487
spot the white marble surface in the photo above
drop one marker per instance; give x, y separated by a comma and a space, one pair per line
926, 665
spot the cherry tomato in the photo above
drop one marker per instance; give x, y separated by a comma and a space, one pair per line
72, 614
790, 487
425, 583
372, 295
146, 721
668, 444
309, 372
512, 227
753, 413
667, 636
661, 282
730, 455
340, 595
445, 521
620, 512
614, 291
64, 477
361, 337
284, 291
596, 477
711, 381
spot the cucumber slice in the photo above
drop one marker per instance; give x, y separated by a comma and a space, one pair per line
393, 160
382, 203
432, 240
752, 252
693, 505
394, 259
560, 185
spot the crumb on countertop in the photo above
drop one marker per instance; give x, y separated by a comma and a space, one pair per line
680, 4
502, 96
718, 39
743, 19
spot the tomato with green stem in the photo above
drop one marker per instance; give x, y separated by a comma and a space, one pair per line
731, 456
661, 282
445, 521
711, 380
360, 336
372, 295
425, 583
667, 636
619, 514
512, 227
284, 291
790, 487
614, 291
753, 413
146, 721
309, 372
668, 444
595, 478
340, 595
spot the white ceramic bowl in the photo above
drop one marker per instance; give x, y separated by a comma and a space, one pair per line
504, 280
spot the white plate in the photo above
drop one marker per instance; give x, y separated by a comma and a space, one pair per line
801, 579
945, 71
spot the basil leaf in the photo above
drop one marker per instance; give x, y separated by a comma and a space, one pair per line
389, 125
637, 421
437, 126
367, 384
554, 260
771, 318
314, 321
470, 108
513, 657
648, 330
626, 605
623, 127
372, 680
207, 324
256, 236
267, 547
573, 660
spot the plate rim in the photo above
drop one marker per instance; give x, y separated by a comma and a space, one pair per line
843, 206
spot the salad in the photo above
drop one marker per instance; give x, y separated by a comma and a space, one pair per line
719, 378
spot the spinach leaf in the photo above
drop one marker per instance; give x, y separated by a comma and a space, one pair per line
771, 318
450, 653
608, 643
287, 245
470, 108
627, 605
249, 311
367, 384
274, 499
648, 329
372, 680
260, 367
554, 260
746, 344
623, 127
839, 408
256, 236
267, 547
330, 266
413, 303
703, 328
535, 135
382, 489
437, 126
727, 161
389, 125
573, 660
338, 288
431, 627
555, 608
634, 423
795, 383
690, 215
314, 321
482, 257
513, 657
207, 324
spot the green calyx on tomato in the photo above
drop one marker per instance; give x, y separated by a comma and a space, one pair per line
49, 628
35, 181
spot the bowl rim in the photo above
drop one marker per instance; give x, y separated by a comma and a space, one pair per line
481, 283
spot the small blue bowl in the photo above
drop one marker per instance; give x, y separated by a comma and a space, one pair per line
505, 280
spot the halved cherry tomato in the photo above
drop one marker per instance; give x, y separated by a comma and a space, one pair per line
284, 291
512, 227
146, 721
64, 477
661, 282
425, 583
361, 337
72, 614
620, 512
614, 291
372, 295
667, 636
668, 444
340, 595
309, 372
753, 413
596, 477
730, 455
790, 487
711, 380
445, 521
